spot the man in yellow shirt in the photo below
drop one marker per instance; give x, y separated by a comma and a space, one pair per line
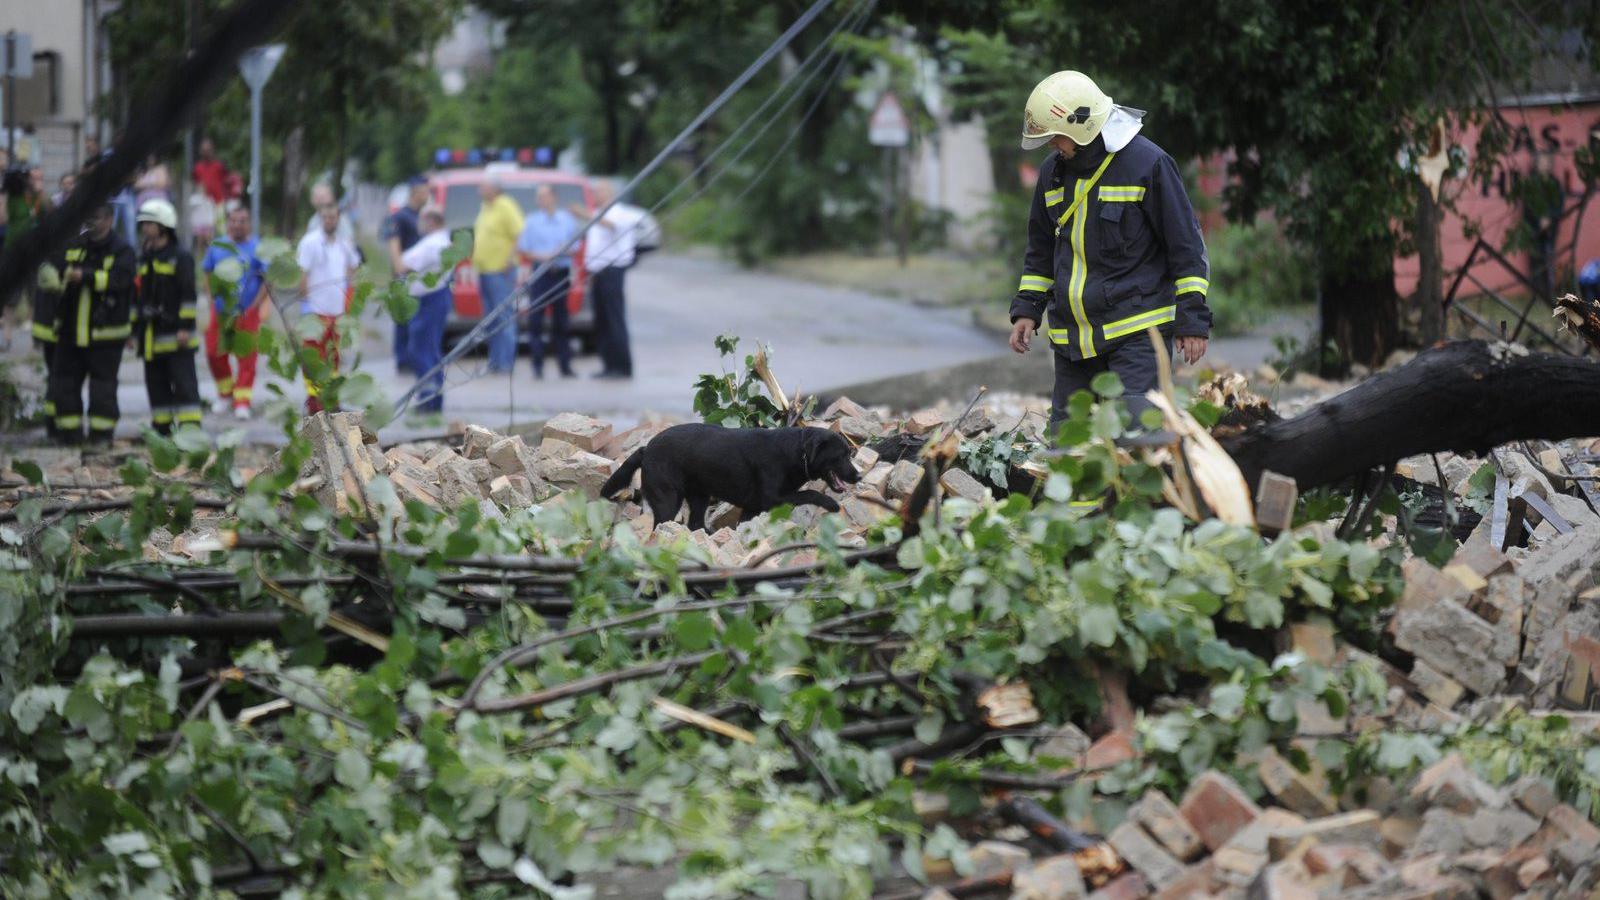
494, 240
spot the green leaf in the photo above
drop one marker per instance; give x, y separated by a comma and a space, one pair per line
694, 631
29, 470
283, 273
1107, 385
1097, 624
351, 768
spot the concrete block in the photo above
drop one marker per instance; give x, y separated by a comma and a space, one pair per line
1454, 641
1052, 878
958, 483
578, 430
903, 479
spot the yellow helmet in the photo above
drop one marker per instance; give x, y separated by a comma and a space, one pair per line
1066, 103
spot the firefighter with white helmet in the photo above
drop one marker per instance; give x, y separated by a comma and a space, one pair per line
1113, 245
164, 332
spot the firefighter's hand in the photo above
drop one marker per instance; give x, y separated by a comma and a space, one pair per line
1191, 349
183, 338
1022, 334
74, 273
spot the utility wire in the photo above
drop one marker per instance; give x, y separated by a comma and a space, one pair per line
490, 322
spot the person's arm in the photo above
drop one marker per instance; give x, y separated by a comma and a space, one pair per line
304, 259
1187, 264
186, 298
1038, 264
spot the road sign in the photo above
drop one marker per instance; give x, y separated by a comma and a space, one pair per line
889, 125
19, 55
257, 63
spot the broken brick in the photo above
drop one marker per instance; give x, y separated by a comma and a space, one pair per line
1453, 640
1302, 792
903, 479
1143, 854
1435, 685
923, 421
1217, 808
958, 483
578, 430
1162, 820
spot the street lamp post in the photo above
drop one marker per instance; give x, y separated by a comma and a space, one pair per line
256, 66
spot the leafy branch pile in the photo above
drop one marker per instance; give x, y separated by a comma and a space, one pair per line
460, 705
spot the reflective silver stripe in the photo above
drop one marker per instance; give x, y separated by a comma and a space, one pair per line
1052, 197
1035, 283
1193, 283
1139, 322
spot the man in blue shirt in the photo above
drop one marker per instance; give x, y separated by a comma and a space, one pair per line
400, 232
546, 230
238, 296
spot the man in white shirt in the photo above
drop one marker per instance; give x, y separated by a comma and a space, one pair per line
326, 263
429, 281
609, 249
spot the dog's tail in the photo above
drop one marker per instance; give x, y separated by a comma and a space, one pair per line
623, 476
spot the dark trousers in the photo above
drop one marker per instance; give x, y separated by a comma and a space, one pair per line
402, 346
550, 290
98, 364
611, 322
425, 347
174, 390
47, 351
1133, 361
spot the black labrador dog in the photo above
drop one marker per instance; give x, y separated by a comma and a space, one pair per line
755, 469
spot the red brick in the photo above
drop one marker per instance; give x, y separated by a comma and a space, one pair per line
1216, 807
1115, 747
1127, 886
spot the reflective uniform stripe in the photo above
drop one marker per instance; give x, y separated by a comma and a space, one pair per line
162, 268
243, 394
69, 421
1193, 283
1052, 197
162, 416
1036, 283
186, 311
1121, 193
83, 318
49, 407
102, 279
225, 386
43, 332
188, 414
1140, 322
101, 423
75, 254
1081, 192
1080, 274
111, 332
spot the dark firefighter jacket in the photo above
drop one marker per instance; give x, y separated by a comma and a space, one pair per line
1113, 248
99, 308
166, 301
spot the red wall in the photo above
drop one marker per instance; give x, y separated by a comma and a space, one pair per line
1544, 137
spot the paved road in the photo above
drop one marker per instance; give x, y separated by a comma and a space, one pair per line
820, 337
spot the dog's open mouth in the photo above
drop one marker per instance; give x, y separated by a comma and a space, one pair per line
837, 482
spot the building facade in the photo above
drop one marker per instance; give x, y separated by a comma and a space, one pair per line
55, 109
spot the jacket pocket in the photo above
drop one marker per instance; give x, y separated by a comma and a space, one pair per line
1112, 244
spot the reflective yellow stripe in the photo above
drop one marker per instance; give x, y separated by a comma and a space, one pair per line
69, 421
49, 408
1080, 274
189, 414
1193, 283
1035, 283
1060, 335
83, 317
186, 311
101, 423
111, 333
43, 332
102, 278
243, 393
75, 254
224, 386
1139, 322
1052, 197
160, 417
163, 268
1121, 193
169, 345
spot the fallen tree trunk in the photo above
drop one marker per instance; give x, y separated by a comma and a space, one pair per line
1465, 396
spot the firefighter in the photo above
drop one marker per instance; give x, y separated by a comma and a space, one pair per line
1113, 246
164, 333
93, 320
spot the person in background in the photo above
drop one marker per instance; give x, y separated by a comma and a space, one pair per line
326, 263
22, 205
94, 276
494, 238
153, 183
210, 173
66, 184
163, 334
421, 263
234, 310
321, 196
608, 252
400, 232
546, 230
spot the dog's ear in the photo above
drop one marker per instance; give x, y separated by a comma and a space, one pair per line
810, 444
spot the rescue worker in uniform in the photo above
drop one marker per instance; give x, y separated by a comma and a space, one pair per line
1113, 246
45, 299
164, 330
93, 320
